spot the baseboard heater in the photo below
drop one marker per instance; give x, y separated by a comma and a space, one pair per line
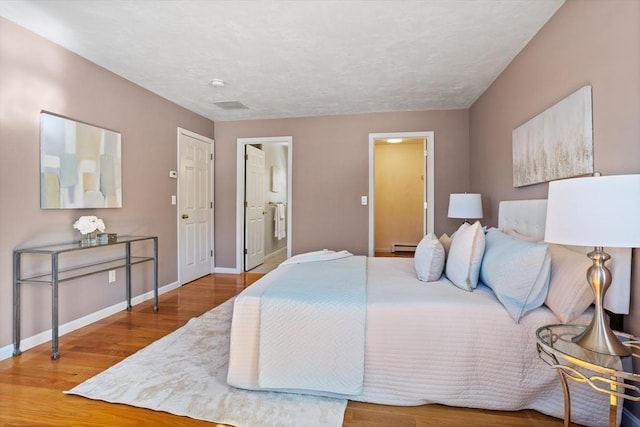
403, 247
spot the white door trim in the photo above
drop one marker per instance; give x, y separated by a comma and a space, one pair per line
182, 131
240, 171
428, 136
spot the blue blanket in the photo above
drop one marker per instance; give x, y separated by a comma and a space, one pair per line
312, 328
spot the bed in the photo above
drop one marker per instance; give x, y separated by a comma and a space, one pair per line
433, 342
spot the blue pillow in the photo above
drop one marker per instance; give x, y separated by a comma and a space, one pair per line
518, 272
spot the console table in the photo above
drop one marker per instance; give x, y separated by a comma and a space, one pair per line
55, 276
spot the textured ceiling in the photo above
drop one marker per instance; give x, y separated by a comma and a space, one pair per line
295, 58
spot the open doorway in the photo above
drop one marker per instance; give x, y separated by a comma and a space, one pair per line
401, 190
263, 224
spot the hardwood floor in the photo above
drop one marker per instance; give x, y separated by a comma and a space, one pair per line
31, 385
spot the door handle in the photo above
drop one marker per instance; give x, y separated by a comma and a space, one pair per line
185, 216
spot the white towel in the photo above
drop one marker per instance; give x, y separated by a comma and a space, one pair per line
280, 223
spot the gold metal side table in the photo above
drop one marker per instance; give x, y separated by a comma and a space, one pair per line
602, 372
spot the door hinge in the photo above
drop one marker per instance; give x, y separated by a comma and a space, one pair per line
246, 157
211, 253
426, 153
246, 205
245, 252
211, 205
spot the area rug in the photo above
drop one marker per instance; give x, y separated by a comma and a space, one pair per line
185, 374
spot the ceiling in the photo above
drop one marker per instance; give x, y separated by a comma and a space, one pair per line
295, 58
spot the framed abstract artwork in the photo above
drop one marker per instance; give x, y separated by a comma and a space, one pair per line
555, 144
80, 165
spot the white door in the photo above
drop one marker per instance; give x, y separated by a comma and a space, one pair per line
195, 209
254, 208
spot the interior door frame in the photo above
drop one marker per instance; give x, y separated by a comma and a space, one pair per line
428, 195
240, 189
182, 131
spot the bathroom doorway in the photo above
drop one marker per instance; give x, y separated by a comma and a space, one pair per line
276, 203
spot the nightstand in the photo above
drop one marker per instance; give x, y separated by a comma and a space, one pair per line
602, 372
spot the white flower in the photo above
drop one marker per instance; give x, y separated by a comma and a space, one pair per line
89, 224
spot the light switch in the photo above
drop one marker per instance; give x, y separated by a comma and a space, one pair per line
363, 200
173, 199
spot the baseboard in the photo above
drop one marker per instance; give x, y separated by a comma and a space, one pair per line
43, 337
629, 419
225, 270
403, 247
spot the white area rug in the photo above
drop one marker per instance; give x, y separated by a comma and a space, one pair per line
185, 373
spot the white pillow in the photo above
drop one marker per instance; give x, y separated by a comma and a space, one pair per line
465, 256
569, 292
445, 241
429, 259
516, 271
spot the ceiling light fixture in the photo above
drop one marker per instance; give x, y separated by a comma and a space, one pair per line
217, 83
394, 140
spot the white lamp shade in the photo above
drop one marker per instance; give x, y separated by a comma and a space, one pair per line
594, 211
465, 205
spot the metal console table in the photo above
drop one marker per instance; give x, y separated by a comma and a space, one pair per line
603, 372
56, 276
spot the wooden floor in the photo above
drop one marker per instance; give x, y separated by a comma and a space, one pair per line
31, 385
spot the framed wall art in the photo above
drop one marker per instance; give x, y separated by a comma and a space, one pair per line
557, 143
80, 165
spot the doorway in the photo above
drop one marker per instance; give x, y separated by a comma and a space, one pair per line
194, 206
404, 218
277, 184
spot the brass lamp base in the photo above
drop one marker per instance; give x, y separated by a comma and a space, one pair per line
598, 336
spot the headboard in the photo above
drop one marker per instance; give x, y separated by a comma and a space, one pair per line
528, 217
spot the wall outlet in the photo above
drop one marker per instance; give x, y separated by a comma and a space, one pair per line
112, 276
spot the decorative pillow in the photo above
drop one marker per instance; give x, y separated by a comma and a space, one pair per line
517, 272
429, 258
465, 256
445, 241
569, 292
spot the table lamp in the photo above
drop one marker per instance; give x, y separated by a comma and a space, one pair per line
465, 205
598, 211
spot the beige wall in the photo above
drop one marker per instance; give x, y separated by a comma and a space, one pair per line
585, 42
37, 75
330, 173
399, 212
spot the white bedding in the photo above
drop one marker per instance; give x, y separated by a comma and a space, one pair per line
434, 343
